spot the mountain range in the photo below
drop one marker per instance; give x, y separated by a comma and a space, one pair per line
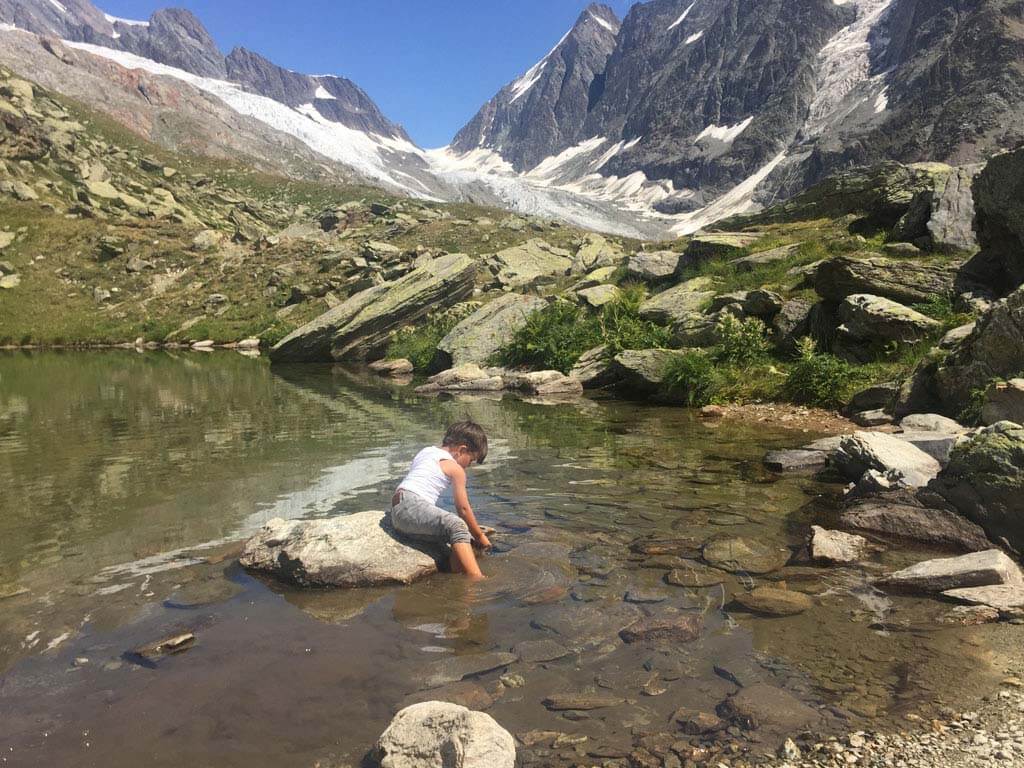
680, 114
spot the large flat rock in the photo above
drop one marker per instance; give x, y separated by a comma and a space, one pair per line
897, 279
531, 263
900, 516
360, 326
978, 569
679, 303
870, 324
862, 451
359, 550
740, 555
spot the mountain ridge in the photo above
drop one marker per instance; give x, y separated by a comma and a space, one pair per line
685, 112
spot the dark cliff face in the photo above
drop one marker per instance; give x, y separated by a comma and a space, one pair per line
955, 76
707, 92
681, 67
543, 112
336, 98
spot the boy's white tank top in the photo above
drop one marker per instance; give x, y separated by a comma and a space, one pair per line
425, 477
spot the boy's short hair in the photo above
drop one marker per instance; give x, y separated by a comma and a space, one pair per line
469, 434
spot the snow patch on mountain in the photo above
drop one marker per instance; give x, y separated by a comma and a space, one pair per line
694, 38
521, 86
682, 18
323, 93
59, 6
844, 65
361, 151
603, 23
882, 100
126, 22
724, 133
740, 199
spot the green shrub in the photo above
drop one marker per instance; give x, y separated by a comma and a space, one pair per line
556, 336
553, 338
622, 327
418, 345
742, 342
820, 379
941, 308
693, 376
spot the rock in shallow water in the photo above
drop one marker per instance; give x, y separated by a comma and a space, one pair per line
901, 516
978, 569
580, 702
735, 554
835, 546
442, 735
680, 628
862, 451
357, 550
769, 601
795, 460
764, 706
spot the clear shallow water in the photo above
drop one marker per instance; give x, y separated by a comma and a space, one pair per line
129, 480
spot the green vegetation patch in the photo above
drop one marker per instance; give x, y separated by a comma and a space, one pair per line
555, 337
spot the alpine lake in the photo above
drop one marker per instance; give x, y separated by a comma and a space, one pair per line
128, 483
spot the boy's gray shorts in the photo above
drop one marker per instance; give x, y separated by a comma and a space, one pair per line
417, 518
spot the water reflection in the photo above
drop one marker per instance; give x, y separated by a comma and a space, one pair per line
130, 479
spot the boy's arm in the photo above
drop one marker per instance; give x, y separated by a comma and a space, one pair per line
458, 477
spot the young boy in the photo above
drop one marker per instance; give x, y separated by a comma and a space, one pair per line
414, 510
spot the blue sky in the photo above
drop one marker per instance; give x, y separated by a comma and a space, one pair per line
429, 64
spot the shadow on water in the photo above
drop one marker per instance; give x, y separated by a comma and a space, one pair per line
129, 481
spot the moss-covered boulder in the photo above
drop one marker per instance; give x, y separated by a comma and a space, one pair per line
900, 280
477, 338
679, 303
985, 482
870, 324
993, 350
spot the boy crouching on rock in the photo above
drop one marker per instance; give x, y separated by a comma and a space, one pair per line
414, 510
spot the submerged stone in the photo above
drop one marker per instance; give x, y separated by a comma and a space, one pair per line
774, 602
680, 628
736, 554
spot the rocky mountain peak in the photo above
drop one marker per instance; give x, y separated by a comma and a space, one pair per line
541, 113
175, 37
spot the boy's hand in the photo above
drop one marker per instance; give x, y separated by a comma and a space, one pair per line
483, 542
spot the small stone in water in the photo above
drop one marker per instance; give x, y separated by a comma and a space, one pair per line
682, 628
512, 681
644, 596
654, 687
790, 751
580, 701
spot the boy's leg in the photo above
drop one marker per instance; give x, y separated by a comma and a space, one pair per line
464, 561
419, 518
